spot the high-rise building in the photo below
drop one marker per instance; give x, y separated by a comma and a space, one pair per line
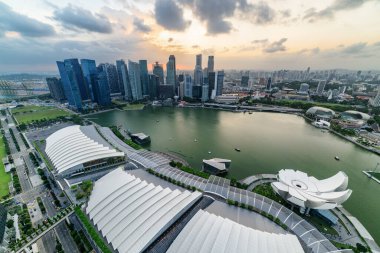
321, 87
244, 81
123, 76
154, 84
144, 77
188, 86
376, 101
198, 74
211, 83
219, 83
210, 64
101, 88
55, 88
112, 77
269, 84
134, 77
73, 83
205, 96
158, 70
197, 91
304, 88
342, 89
171, 71
89, 74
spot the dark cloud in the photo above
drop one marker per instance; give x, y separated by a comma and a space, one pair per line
140, 26
15, 22
276, 46
74, 18
261, 13
338, 5
169, 15
355, 48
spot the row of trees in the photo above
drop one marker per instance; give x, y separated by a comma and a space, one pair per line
6, 144
14, 139
34, 159
16, 181
121, 137
80, 239
190, 170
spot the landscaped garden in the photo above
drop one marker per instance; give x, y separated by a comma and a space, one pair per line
31, 113
5, 178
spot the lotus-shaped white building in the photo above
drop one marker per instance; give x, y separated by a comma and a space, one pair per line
308, 192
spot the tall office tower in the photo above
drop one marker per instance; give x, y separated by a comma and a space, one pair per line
188, 86
154, 84
342, 89
102, 94
122, 72
197, 91
269, 84
112, 77
144, 77
210, 64
304, 88
211, 83
198, 74
321, 87
171, 71
219, 83
158, 70
181, 89
56, 88
134, 77
181, 77
89, 74
205, 93
73, 83
244, 81
376, 101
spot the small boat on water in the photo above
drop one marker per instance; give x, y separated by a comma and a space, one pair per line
209, 152
250, 112
337, 158
195, 140
157, 121
237, 149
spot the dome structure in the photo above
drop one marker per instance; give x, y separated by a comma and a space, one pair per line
355, 116
308, 192
320, 112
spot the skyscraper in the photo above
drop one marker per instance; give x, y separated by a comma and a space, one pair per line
211, 83
154, 84
56, 88
198, 74
89, 74
210, 64
205, 96
188, 86
134, 77
171, 75
269, 84
219, 83
321, 87
304, 88
158, 70
244, 81
144, 77
70, 84
102, 94
124, 82
112, 77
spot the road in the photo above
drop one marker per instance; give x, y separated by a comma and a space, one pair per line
63, 234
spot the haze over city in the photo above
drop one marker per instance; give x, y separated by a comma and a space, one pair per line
242, 34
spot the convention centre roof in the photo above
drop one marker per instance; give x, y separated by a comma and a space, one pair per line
75, 145
305, 191
131, 214
209, 233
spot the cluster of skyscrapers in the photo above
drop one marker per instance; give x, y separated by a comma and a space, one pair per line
83, 83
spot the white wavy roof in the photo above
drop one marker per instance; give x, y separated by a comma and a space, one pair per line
131, 214
70, 146
208, 233
302, 190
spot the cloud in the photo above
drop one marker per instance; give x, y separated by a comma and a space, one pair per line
74, 18
263, 41
315, 50
355, 48
170, 40
169, 15
329, 12
140, 26
276, 46
26, 26
261, 13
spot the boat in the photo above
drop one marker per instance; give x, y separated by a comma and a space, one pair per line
209, 152
237, 149
195, 140
337, 158
157, 121
250, 112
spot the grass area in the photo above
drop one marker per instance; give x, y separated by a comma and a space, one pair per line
47, 162
5, 178
321, 225
375, 174
27, 114
131, 107
190, 170
91, 231
127, 141
267, 191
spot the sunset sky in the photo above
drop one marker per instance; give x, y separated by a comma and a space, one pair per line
242, 34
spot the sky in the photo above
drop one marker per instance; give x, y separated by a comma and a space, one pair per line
241, 34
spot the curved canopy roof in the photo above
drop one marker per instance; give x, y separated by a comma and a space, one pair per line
320, 111
300, 189
131, 214
208, 233
75, 145
355, 115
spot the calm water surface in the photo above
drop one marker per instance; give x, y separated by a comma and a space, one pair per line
268, 142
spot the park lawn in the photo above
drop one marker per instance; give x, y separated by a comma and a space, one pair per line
27, 114
5, 178
132, 107
375, 175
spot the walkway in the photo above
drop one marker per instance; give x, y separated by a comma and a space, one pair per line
255, 180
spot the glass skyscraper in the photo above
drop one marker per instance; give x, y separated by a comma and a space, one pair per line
144, 76
56, 88
89, 74
134, 77
171, 72
124, 81
158, 70
102, 92
219, 83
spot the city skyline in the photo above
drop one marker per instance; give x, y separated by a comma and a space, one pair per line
241, 34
